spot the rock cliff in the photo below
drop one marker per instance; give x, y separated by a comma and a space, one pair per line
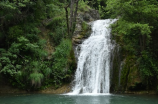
83, 27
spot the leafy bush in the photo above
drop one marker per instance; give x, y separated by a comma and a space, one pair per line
23, 58
60, 64
83, 6
135, 32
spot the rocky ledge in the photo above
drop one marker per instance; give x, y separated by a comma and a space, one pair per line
83, 25
83, 28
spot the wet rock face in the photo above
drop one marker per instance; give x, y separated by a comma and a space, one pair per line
125, 76
83, 28
88, 16
83, 25
94, 14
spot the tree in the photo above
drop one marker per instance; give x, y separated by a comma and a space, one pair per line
23, 56
136, 15
73, 14
135, 31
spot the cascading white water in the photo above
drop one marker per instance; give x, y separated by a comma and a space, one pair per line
92, 74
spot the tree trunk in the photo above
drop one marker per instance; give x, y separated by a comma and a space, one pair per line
71, 16
67, 19
75, 14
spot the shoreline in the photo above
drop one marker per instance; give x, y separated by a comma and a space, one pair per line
63, 89
50, 90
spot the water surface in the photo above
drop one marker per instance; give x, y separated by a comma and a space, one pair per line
77, 99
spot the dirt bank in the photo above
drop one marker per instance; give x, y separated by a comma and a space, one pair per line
4, 89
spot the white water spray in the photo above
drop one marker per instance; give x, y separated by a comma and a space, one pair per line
93, 70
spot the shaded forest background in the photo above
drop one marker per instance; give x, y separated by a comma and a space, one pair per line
35, 39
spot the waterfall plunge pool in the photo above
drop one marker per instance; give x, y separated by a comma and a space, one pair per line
77, 99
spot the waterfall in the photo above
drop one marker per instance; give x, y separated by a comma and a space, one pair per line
93, 68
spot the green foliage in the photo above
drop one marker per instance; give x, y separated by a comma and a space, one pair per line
84, 26
83, 6
57, 24
148, 68
7, 61
99, 5
129, 73
23, 57
135, 32
35, 76
148, 65
129, 34
85, 30
61, 65
25, 51
15, 32
58, 34
14, 61
133, 29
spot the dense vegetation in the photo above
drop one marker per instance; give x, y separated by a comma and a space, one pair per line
136, 31
28, 27
25, 60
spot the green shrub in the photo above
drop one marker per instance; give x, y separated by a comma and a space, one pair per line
60, 64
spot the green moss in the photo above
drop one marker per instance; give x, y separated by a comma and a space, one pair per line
85, 30
125, 72
130, 74
84, 26
115, 79
115, 72
80, 37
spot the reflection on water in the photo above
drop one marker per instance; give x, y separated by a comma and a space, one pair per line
77, 99
90, 99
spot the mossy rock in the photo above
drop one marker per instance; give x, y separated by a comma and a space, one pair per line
134, 80
130, 78
86, 30
79, 37
84, 33
115, 71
